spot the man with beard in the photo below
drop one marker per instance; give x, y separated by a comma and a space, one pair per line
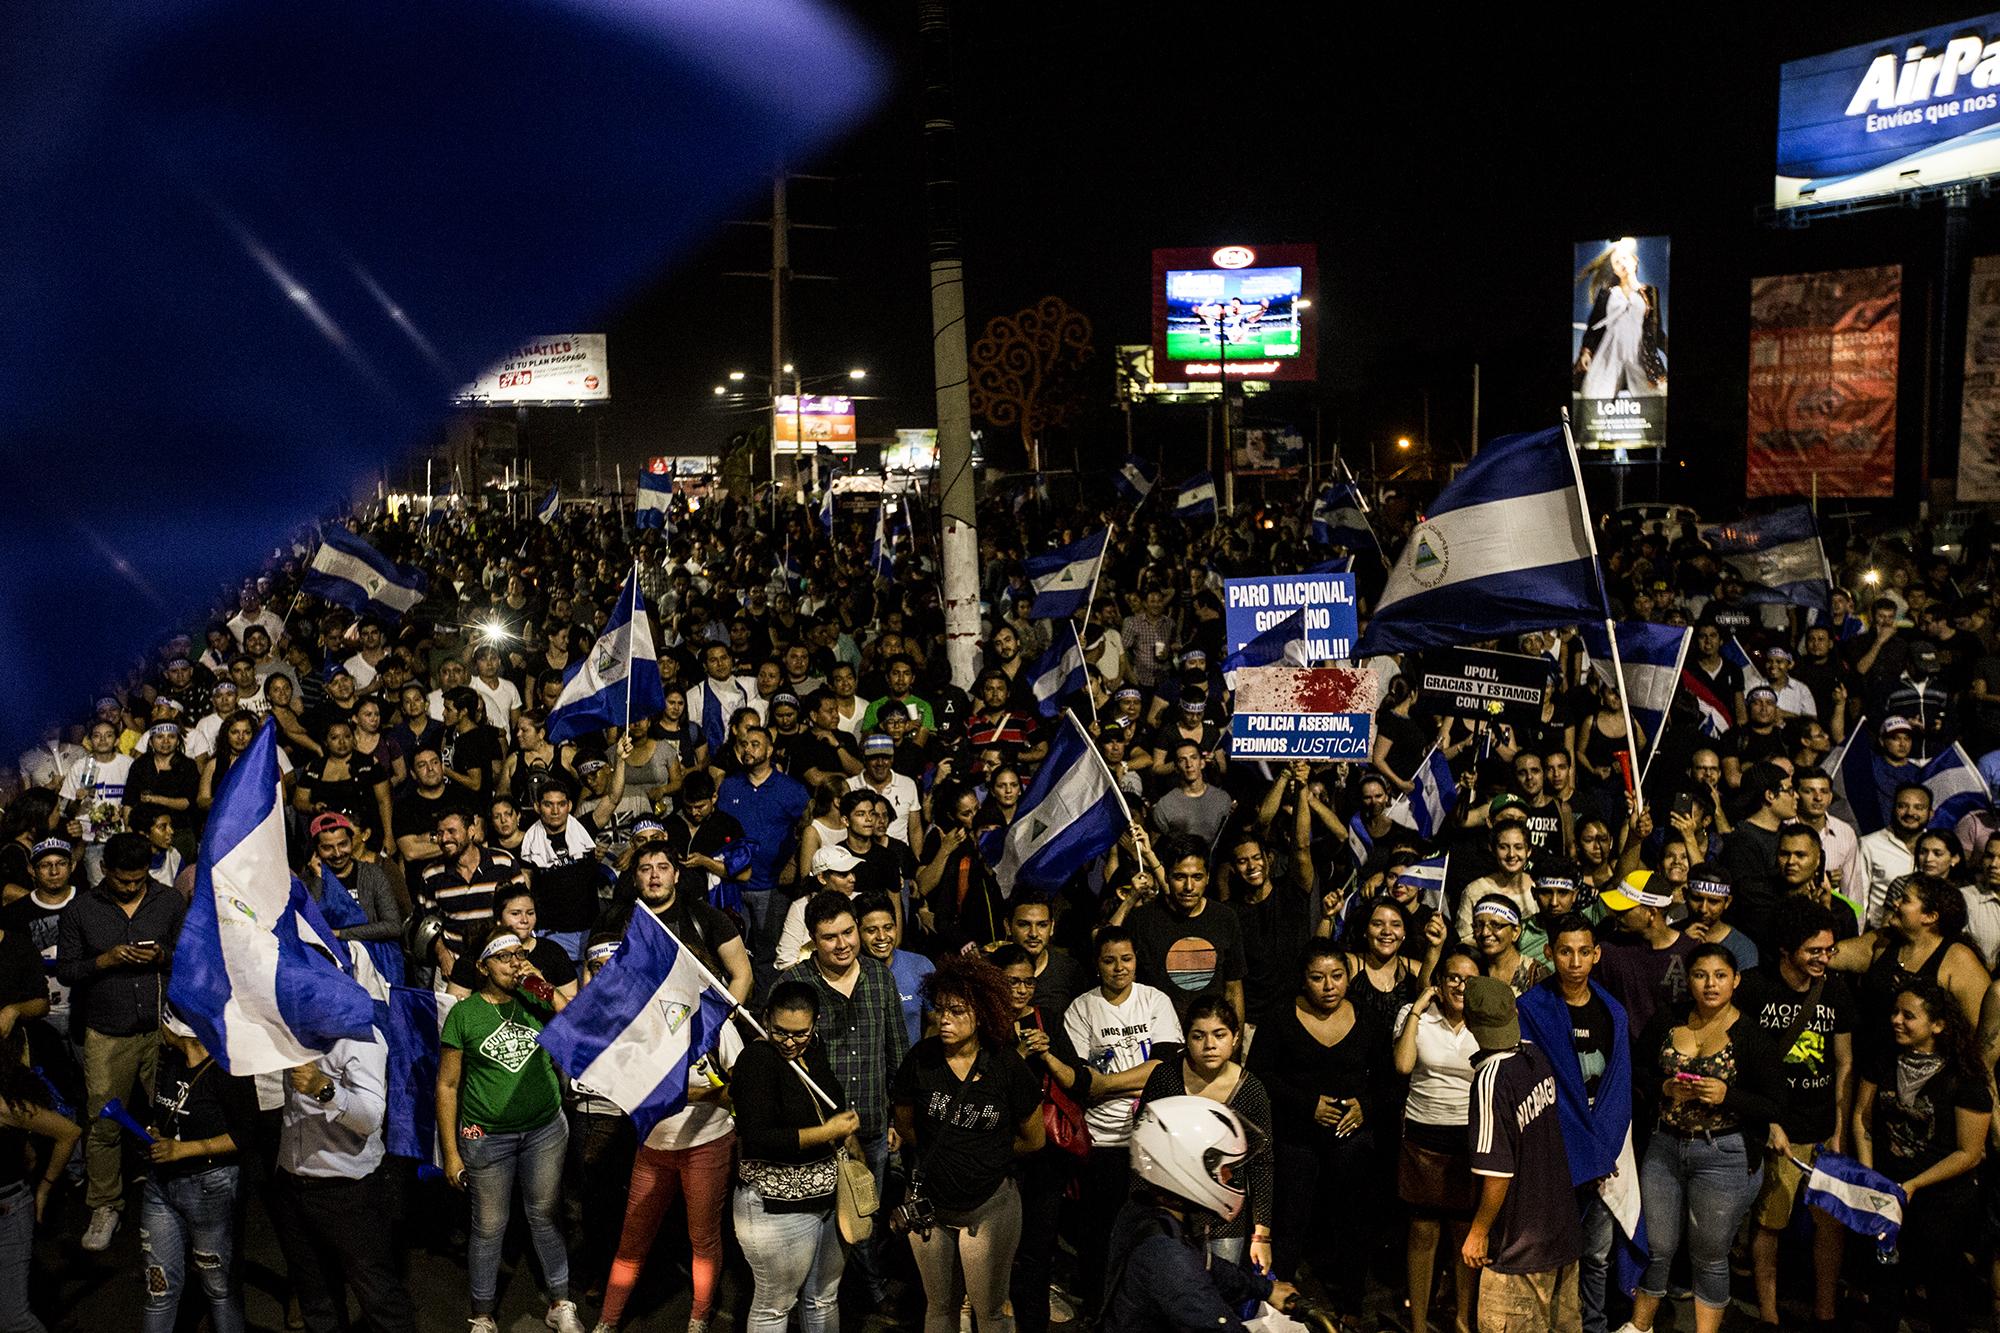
711, 933
1277, 912
114, 950
1187, 946
1889, 853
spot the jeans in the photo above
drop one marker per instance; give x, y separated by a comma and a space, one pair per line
1704, 1186
493, 1162
1593, 1273
795, 1259
569, 941
598, 1172
191, 1212
970, 1253
17, 1260
765, 910
112, 1067
702, 1174
867, 1256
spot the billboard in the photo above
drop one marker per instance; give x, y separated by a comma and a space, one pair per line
1329, 626
1236, 311
1899, 114
1979, 420
816, 418
1618, 343
561, 368
915, 450
1823, 383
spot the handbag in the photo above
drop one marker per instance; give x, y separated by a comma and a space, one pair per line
855, 1199
1063, 1123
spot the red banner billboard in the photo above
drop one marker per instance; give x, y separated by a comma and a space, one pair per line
1823, 352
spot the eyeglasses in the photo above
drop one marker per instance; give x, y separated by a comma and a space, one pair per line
1459, 982
1825, 951
790, 1035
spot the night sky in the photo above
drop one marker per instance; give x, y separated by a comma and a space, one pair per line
1445, 171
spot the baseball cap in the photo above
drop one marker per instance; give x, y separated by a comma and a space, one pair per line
49, 847
832, 858
332, 819
1489, 1013
1635, 890
1502, 802
1890, 724
878, 744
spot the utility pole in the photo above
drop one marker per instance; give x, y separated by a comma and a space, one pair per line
958, 500
781, 276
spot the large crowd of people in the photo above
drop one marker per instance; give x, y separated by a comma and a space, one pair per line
1581, 1072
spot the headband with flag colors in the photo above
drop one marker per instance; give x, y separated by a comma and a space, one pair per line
619, 678
251, 974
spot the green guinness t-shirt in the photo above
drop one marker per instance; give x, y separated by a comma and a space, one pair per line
507, 1084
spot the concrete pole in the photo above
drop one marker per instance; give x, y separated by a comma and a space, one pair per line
957, 498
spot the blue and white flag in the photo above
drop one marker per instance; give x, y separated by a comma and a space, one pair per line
656, 497
1339, 520
1137, 477
1340, 564
636, 1031
340, 910
1284, 643
1502, 550
1778, 556
1428, 807
1864, 1201
416, 1017
546, 511
348, 572
1196, 497
882, 552
826, 507
618, 680
1071, 814
1427, 878
249, 973
1865, 783
1064, 577
1652, 656
1734, 653
1061, 672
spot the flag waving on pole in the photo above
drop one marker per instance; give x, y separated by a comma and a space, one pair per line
1071, 813
248, 973
1427, 807
656, 494
635, 1033
1061, 672
1064, 577
1339, 520
1284, 642
1778, 557
882, 554
1196, 497
1653, 656
545, 511
1502, 550
348, 572
1137, 477
618, 680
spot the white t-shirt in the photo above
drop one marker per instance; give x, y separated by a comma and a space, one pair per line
1441, 1085
99, 785
902, 797
706, 1120
200, 741
1114, 1038
1882, 861
502, 702
364, 674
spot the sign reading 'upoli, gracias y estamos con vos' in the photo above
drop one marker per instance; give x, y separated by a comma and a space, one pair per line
1915, 110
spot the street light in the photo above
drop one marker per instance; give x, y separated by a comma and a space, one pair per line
1403, 442
857, 374
735, 374
719, 390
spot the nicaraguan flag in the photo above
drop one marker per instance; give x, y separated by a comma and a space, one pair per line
1340, 564
1864, 1201
633, 1034
1436, 794
1282, 644
1427, 878
545, 512
882, 552
1137, 477
1778, 556
1063, 578
1071, 814
1339, 520
1652, 656
250, 975
1865, 783
1734, 653
618, 680
1502, 550
340, 910
1196, 497
1061, 672
656, 494
826, 507
416, 1017
348, 572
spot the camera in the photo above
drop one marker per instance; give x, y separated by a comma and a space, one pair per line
914, 1216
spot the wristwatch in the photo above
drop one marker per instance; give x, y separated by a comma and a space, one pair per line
325, 1094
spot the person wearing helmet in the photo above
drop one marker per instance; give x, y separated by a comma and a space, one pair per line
1188, 1162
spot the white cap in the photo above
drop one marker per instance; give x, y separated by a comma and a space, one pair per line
835, 858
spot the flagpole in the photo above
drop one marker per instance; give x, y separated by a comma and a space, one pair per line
1680, 662
300, 594
1381, 552
1098, 755
1632, 774
1095, 574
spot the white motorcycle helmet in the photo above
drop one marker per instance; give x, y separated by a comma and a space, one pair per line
1194, 1149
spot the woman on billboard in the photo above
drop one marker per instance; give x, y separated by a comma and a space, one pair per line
1624, 344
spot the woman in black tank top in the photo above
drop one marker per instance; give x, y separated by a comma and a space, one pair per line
1919, 940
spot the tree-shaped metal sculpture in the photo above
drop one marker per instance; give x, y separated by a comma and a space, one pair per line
1024, 370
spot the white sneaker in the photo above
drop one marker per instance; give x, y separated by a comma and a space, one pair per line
484, 1323
103, 1226
562, 1317
601, 1327
1061, 1309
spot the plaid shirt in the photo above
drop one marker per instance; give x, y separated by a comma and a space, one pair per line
864, 1036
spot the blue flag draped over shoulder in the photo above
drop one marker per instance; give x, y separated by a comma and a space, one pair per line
250, 975
272, 243
340, 910
1503, 549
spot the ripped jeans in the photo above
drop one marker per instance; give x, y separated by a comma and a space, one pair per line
183, 1219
